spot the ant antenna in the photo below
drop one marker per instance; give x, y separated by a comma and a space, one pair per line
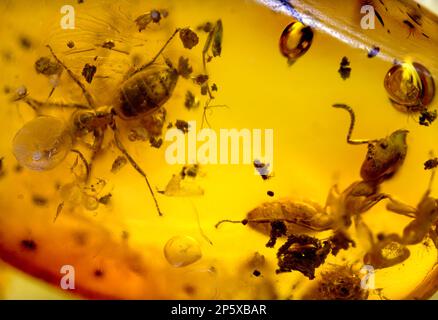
87, 95
134, 164
199, 224
158, 54
246, 221
352, 122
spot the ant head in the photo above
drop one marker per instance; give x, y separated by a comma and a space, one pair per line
384, 157
80, 121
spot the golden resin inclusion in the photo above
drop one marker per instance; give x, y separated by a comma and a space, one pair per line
116, 245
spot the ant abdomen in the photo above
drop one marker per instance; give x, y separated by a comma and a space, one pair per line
145, 91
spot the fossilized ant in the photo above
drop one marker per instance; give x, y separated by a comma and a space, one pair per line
383, 159
143, 91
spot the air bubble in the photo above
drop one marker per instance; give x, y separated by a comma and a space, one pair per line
295, 40
410, 86
71, 193
181, 251
90, 203
42, 143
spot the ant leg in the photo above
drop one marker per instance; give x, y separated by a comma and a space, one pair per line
134, 164
95, 147
363, 229
36, 104
157, 55
407, 210
371, 201
97, 144
204, 114
399, 207
332, 197
352, 122
208, 107
87, 95
324, 227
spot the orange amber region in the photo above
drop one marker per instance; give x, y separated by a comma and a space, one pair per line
117, 250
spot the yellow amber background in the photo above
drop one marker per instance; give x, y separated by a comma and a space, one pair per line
261, 91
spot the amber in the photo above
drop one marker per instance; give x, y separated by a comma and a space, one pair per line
111, 233
295, 40
410, 86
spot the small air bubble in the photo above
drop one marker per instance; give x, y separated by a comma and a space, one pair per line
90, 202
181, 251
